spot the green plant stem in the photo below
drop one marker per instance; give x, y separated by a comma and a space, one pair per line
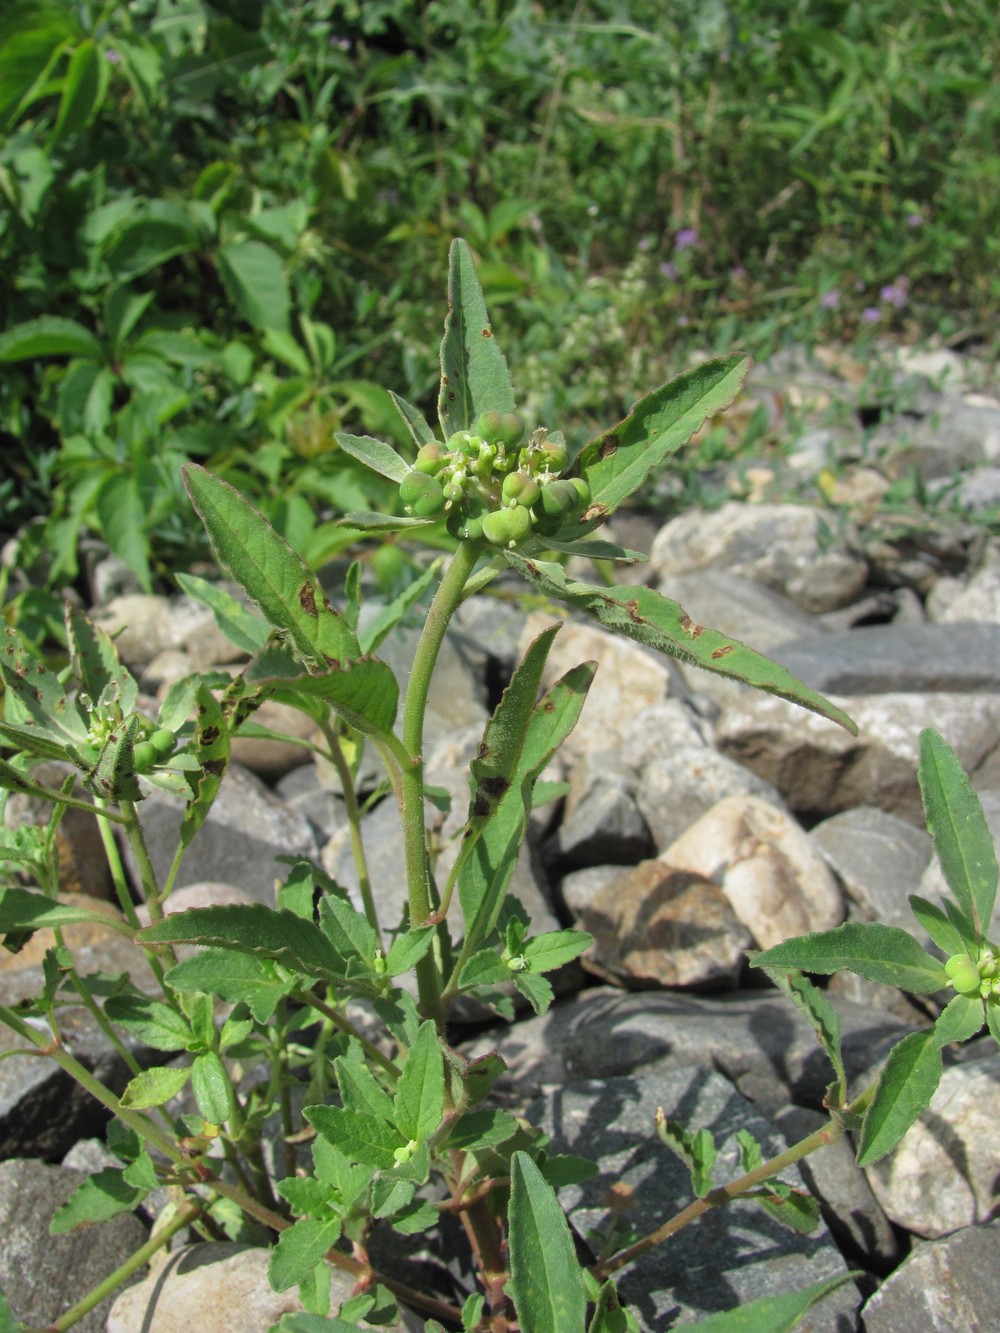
446, 601
69, 1064
345, 1025
142, 1256
354, 826
723, 1194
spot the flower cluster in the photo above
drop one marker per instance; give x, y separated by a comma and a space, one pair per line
494, 486
980, 977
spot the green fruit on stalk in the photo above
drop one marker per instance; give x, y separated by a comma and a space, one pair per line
507, 527
422, 494
430, 458
559, 498
163, 742
519, 488
962, 972
144, 756
506, 428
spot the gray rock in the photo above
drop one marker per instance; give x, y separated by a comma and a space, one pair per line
944, 1286
974, 491
778, 545
951, 600
877, 659
271, 759
604, 826
489, 630
577, 889
849, 1207
43, 1276
146, 625
654, 926
246, 829
655, 732
878, 858
959, 436
676, 790
943, 1175
821, 769
777, 883
730, 1255
302, 790
457, 695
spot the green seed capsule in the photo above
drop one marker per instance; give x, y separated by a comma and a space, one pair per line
430, 458
422, 494
163, 742
582, 489
558, 498
144, 756
506, 428
551, 455
519, 488
961, 971
507, 527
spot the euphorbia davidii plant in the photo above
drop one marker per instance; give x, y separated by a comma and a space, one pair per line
395, 1125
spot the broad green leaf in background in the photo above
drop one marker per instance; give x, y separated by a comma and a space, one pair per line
123, 513
254, 929
770, 1314
906, 1085
49, 335
8, 1324
240, 626
254, 277
618, 462
22, 909
644, 615
233, 977
158, 231
380, 457
99, 1198
962, 838
474, 374
84, 87
547, 1283
155, 1086
288, 593
419, 1103
876, 952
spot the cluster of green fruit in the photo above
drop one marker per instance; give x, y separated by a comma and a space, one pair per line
158, 746
981, 977
492, 485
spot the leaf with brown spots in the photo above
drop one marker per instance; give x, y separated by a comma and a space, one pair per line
651, 619
474, 374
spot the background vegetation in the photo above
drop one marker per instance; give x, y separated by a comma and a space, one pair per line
225, 223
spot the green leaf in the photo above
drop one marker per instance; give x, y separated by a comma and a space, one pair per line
240, 626
594, 548
609, 1316
113, 776
359, 1137
993, 1021
645, 616
793, 1208
908, 1081
269, 571
154, 1023
414, 420
23, 909
770, 1314
695, 1149
495, 765
299, 1249
486, 1127
419, 1102
474, 374
364, 691
254, 277
254, 929
618, 462
160, 231
360, 1091
84, 89
123, 512
99, 1198
485, 968
233, 977
212, 744
380, 457
369, 523
49, 335
39, 692
876, 952
349, 930
939, 926
813, 1004
962, 838
961, 1019
213, 1091
389, 616
554, 949
96, 664
545, 1275
408, 949
154, 1087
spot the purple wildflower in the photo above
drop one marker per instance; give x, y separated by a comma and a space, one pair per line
914, 219
644, 243
669, 271
685, 239
896, 293
683, 321
340, 43
830, 300
871, 314
738, 273
112, 56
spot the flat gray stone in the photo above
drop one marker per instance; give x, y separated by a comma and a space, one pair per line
42, 1276
878, 858
676, 790
727, 1257
944, 1286
878, 659
604, 827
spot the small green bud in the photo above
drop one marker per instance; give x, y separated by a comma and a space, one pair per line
519, 488
422, 494
466, 442
163, 742
453, 491
963, 974
551, 455
144, 756
405, 1152
507, 527
430, 458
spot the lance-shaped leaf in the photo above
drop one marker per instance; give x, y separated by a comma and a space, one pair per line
21, 909
96, 664
962, 838
288, 593
361, 1137
364, 691
414, 420
588, 548
961, 1019
212, 740
369, 522
240, 626
876, 952
474, 374
49, 335
548, 1284
644, 615
906, 1085
820, 1013
618, 462
299, 1249
375, 454
40, 694
770, 1314
233, 977
254, 929
113, 776
419, 1103
486, 873
385, 620
99, 1198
